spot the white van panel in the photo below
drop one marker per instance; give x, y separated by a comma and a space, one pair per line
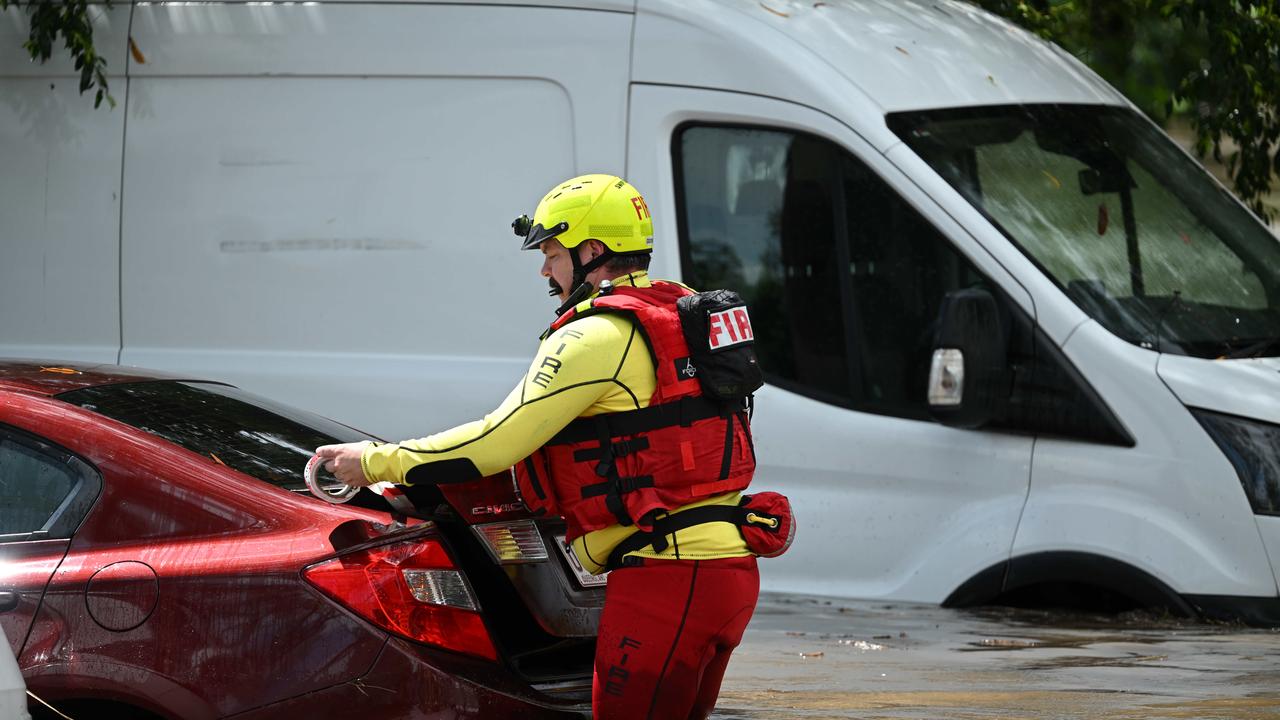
340, 216
13, 689
339, 40
60, 230
346, 39
728, 46
347, 201
887, 507
319, 197
1171, 506
1248, 387
912, 55
611, 5
1269, 529
857, 58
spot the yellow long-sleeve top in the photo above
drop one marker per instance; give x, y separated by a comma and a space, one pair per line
591, 366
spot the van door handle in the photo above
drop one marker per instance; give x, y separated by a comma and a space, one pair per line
8, 600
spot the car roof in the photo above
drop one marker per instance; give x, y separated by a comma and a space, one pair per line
51, 377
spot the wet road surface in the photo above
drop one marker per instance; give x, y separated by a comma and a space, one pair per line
815, 658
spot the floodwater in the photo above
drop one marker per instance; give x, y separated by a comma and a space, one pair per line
816, 658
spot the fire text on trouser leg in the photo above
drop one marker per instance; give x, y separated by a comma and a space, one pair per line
616, 680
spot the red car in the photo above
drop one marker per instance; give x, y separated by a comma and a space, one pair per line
160, 556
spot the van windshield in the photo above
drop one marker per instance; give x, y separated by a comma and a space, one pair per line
1134, 231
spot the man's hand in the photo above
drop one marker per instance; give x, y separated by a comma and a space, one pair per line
344, 462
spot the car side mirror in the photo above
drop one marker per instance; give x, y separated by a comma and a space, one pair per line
969, 371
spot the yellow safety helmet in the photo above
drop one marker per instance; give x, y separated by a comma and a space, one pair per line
590, 207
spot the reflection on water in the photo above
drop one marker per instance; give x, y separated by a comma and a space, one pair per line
812, 658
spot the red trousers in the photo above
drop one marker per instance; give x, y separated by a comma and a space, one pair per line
666, 634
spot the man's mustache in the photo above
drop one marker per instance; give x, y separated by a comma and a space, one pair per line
555, 288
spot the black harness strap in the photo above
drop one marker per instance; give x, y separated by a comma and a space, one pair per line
664, 526
621, 448
745, 418
685, 412
622, 484
532, 470
608, 470
727, 461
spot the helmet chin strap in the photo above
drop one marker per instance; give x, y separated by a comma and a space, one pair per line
582, 288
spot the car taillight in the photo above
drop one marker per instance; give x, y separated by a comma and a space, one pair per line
514, 542
410, 588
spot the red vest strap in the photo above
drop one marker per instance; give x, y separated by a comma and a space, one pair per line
654, 308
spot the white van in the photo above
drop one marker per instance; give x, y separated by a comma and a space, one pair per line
311, 200
13, 688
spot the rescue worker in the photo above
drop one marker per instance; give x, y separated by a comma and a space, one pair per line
606, 430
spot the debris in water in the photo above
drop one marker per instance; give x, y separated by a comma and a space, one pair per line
861, 644
1006, 643
811, 655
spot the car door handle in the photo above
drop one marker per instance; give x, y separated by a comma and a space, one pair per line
8, 600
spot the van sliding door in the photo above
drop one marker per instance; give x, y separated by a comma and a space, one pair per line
318, 196
844, 263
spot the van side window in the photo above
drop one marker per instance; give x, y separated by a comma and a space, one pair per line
845, 280
758, 209
901, 267
843, 277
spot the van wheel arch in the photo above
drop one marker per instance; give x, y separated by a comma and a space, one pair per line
1069, 568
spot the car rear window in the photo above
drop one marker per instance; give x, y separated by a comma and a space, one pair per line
245, 432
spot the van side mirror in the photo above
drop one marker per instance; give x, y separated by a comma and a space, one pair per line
967, 377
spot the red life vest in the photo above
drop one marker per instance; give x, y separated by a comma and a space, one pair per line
631, 467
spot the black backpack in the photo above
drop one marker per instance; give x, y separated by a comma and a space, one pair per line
717, 328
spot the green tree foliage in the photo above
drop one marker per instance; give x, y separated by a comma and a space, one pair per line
1217, 61
71, 20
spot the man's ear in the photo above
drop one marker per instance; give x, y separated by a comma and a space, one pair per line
595, 249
